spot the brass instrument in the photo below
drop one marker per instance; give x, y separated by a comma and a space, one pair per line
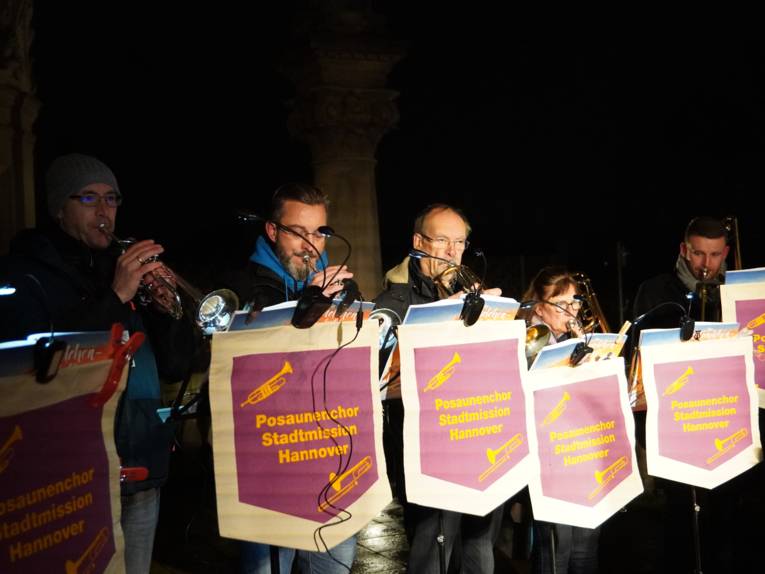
607, 475
537, 337
591, 315
678, 383
213, 312
456, 278
557, 410
443, 375
6, 452
354, 473
500, 456
268, 388
727, 444
90, 555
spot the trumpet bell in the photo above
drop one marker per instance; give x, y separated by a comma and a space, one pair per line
537, 337
215, 310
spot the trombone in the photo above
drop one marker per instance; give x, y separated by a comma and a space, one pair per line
212, 312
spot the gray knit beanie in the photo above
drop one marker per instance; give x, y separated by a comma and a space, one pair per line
69, 173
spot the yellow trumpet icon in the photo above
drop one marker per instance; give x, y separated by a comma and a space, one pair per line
501, 455
557, 410
354, 473
678, 383
607, 475
268, 388
727, 444
6, 452
444, 374
756, 322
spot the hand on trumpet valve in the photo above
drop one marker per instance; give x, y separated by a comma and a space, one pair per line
334, 273
138, 260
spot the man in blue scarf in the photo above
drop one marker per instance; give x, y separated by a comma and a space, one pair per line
287, 259
291, 254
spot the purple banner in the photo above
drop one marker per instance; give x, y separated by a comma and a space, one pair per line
703, 410
584, 450
295, 438
55, 510
750, 315
472, 412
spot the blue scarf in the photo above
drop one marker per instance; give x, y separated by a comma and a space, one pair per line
265, 256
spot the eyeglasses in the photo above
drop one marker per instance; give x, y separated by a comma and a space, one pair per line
443, 242
91, 199
298, 232
565, 306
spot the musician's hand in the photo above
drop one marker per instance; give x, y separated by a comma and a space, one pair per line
132, 266
337, 282
162, 286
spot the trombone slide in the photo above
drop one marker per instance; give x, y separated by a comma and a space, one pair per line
500, 456
354, 473
727, 444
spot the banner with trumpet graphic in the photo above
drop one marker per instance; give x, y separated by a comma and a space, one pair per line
59, 469
744, 302
465, 445
581, 437
701, 425
297, 434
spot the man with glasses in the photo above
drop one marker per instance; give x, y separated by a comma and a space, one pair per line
68, 278
440, 231
289, 257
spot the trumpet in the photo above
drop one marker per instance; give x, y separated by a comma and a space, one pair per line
678, 383
557, 410
443, 375
268, 388
213, 312
607, 475
354, 473
500, 456
537, 337
727, 444
456, 278
592, 316
6, 452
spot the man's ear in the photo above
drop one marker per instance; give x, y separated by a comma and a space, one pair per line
271, 231
684, 250
417, 241
726, 251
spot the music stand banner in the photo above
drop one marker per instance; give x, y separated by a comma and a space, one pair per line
745, 304
297, 463
59, 469
581, 434
701, 426
465, 445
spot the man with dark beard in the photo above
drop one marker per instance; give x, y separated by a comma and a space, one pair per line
282, 265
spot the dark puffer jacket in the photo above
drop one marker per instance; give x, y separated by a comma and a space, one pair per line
63, 283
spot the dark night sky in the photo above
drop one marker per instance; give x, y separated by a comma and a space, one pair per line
558, 144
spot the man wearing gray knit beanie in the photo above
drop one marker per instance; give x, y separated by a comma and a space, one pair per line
67, 279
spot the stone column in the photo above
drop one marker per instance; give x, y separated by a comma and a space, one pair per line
18, 112
342, 109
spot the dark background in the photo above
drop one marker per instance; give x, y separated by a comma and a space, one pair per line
560, 143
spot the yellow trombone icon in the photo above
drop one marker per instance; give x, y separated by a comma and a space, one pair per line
498, 457
6, 452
